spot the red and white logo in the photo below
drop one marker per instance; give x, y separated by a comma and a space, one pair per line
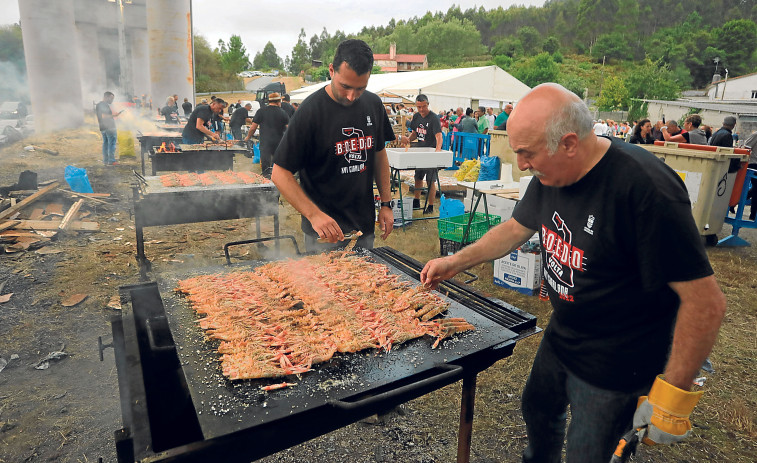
355, 147
562, 257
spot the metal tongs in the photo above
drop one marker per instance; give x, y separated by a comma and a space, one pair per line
353, 235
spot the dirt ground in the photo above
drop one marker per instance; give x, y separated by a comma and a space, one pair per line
69, 411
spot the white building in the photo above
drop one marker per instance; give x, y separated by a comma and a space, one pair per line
488, 86
734, 88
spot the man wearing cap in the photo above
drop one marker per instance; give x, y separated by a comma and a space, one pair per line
724, 136
272, 121
338, 156
238, 119
198, 123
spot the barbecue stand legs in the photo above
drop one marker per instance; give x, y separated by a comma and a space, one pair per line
465, 434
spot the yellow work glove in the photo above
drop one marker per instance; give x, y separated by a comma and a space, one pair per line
665, 413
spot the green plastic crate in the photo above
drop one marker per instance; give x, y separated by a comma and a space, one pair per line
453, 228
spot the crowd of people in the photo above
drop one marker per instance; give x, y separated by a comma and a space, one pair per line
692, 131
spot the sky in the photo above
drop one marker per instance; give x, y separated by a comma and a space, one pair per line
258, 22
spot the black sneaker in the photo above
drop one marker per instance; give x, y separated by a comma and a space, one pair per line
416, 203
429, 209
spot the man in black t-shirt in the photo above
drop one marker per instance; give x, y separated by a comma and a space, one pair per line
272, 121
724, 136
198, 124
604, 211
187, 107
286, 106
427, 129
335, 141
238, 119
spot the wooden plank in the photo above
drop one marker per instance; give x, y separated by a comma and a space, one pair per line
90, 197
53, 225
54, 208
18, 234
13, 209
70, 214
502, 191
9, 224
37, 213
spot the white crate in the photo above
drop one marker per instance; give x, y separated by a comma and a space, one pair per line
520, 271
407, 208
418, 158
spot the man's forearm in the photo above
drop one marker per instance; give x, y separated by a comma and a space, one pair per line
293, 192
497, 242
699, 316
382, 175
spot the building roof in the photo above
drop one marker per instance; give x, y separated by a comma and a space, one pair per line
400, 58
731, 78
735, 108
487, 82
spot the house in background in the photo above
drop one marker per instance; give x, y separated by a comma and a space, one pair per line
392, 62
735, 88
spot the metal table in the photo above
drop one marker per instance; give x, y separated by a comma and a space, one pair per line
155, 204
148, 140
177, 407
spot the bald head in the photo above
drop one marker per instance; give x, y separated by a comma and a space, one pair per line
551, 111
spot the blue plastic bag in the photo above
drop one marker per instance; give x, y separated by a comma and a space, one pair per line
450, 207
256, 153
489, 168
77, 179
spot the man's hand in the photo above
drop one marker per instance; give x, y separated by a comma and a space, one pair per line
438, 270
665, 413
326, 227
386, 221
215, 136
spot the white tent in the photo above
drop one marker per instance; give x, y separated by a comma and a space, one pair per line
445, 88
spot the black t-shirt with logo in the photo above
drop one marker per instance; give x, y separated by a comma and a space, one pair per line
426, 128
273, 122
190, 131
333, 147
611, 244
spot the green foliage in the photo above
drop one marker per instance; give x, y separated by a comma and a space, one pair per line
508, 46
503, 61
614, 95
12, 46
738, 39
531, 39
268, 58
448, 43
611, 46
300, 59
234, 58
536, 70
210, 75
653, 81
573, 83
551, 45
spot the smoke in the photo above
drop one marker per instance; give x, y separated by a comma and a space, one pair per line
13, 84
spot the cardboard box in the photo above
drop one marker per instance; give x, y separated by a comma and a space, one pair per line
520, 271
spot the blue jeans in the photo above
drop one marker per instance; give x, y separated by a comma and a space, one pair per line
110, 137
599, 417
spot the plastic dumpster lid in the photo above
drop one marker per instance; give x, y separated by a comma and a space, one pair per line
717, 149
696, 151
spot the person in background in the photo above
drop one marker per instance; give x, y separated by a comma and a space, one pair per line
691, 133
170, 112
490, 117
338, 157
106, 118
286, 106
187, 107
724, 135
707, 132
468, 124
295, 106
600, 128
427, 130
273, 122
198, 124
176, 105
642, 133
238, 119
500, 123
751, 144
670, 130
602, 264
483, 122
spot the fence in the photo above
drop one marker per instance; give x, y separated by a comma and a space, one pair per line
466, 146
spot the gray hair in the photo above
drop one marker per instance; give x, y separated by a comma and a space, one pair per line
573, 117
169, 100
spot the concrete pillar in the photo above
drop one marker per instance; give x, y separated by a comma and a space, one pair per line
52, 63
169, 27
89, 20
136, 30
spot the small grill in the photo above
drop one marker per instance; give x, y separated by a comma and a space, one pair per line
155, 205
177, 407
149, 139
190, 158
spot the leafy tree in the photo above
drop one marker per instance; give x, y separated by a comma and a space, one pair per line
503, 61
612, 46
448, 43
12, 64
551, 45
738, 38
530, 38
614, 95
508, 46
536, 70
209, 73
651, 81
573, 83
300, 55
268, 58
234, 56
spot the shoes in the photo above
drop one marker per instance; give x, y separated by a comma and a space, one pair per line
416, 203
115, 163
429, 209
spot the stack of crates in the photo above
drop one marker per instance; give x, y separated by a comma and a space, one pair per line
452, 229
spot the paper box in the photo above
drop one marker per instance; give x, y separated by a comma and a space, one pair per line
520, 271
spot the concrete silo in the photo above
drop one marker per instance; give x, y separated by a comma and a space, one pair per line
52, 63
169, 27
